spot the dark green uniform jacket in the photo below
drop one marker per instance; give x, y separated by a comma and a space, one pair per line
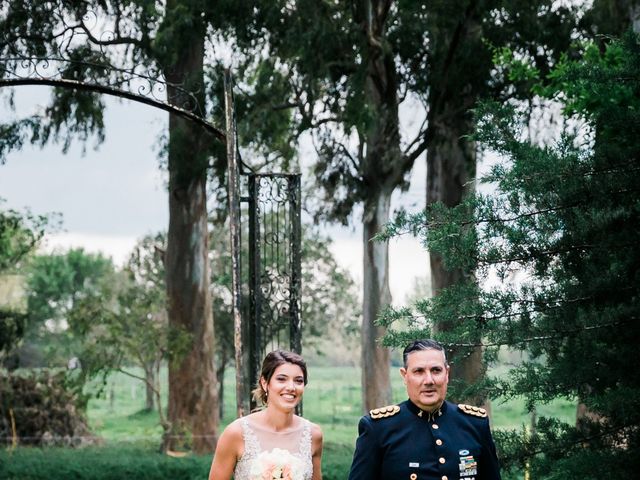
402, 442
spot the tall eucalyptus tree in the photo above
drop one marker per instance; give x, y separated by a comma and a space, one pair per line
346, 69
129, 44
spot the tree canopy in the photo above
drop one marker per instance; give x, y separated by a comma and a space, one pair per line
20, 233
555, 247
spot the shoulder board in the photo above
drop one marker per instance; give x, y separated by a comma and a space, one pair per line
471, 410
384, 412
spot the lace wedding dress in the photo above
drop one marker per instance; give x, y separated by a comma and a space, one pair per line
258, 439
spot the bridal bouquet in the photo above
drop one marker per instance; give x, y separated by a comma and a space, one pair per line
277, 464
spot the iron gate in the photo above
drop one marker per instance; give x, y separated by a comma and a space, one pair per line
274, 276
264, 215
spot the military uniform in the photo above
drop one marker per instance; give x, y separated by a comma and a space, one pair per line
403, 442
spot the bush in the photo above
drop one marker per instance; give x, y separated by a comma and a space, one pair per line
99, 463
38, 409
128, 461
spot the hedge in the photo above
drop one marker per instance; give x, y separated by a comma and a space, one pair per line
129, 462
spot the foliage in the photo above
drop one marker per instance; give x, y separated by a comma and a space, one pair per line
39, 409
57, 284
115, 463
341, 71
132, 46
20, 234
555, 249
99, 463
329, 298
158, 50
125, 324
330, 305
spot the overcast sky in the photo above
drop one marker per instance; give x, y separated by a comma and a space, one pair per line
112, 196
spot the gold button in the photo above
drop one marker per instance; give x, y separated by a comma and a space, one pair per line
438, 442
441, 460
413, 476
444, 477
435, 426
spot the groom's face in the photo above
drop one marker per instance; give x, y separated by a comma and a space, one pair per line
426, 377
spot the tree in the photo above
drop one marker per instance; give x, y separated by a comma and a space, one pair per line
56, 283
125, 325
461, 41
334, 68
566, 216
329, 298
346, 70
121, 43
145, 301
19, 236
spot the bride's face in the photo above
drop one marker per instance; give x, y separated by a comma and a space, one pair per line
286, 386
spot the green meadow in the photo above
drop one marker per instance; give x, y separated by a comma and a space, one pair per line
332, 399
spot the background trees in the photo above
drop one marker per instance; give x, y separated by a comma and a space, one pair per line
57, 285
330, 310
376, 84
19, 236
460, 40
103, 42
555, 248
338, 73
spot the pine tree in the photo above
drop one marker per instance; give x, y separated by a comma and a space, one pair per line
555, 248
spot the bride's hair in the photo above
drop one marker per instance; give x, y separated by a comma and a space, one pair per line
272, 361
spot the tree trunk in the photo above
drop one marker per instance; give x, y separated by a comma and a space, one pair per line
376, 386
451, 161
192, 382
150, 381
222, 366
382, 169
193, 402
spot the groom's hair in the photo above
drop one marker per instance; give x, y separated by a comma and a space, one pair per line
272, 361
423, 344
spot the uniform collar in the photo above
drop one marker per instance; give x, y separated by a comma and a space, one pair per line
431, 416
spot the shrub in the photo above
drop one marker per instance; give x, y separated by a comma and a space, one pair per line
37, 409
99, 463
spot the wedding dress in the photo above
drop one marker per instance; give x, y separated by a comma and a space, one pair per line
258, 439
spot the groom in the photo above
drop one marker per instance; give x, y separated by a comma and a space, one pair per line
425, 436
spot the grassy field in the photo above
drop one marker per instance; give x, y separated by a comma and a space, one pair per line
132, 436
332, 399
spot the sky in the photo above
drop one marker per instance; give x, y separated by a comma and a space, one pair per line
112, 195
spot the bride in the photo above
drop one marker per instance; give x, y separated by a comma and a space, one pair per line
272, 443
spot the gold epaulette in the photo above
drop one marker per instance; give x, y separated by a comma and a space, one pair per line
384, 412
471, 410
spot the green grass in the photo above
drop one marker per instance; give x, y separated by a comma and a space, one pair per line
332, 399
99, 463
132, 436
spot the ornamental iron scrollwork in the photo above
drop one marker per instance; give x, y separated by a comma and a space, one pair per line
80, 52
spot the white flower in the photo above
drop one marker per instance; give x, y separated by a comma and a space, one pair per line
277, 464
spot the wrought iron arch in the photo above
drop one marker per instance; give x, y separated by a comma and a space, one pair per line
254, 329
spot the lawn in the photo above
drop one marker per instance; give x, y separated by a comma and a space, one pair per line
132, 436
332, 399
